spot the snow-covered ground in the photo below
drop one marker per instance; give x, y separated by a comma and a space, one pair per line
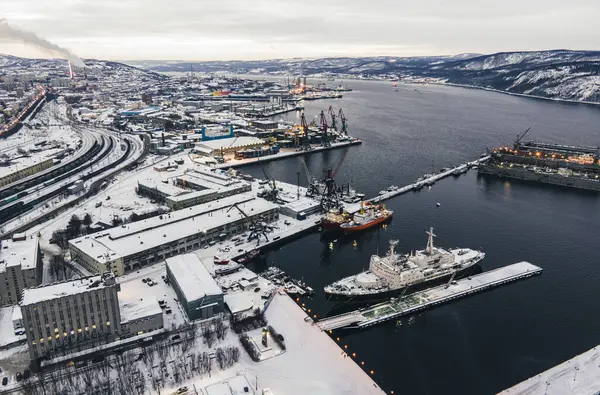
7, 333
312, 364
577, 376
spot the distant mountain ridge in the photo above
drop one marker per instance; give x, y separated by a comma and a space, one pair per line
555, 74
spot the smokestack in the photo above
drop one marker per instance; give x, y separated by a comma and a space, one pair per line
304, 82
70, 70
10, 33
163, 139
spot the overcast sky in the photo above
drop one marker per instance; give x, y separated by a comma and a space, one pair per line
261, 29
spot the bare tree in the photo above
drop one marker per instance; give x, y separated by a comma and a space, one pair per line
220, 328
208, 335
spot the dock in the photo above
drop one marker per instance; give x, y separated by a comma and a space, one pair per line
412, 303
426, 181
577, 376
232, 164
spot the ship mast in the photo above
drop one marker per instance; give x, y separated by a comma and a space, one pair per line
393, 244
429, 249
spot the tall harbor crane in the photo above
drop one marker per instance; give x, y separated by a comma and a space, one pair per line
520, 137
333, 119
331, 195
324, 136
342, 118
305, 138
272, 193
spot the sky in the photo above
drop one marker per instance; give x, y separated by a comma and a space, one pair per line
265, 29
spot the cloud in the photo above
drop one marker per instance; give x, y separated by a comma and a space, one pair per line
217, 29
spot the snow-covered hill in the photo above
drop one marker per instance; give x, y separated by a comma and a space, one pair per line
560, 74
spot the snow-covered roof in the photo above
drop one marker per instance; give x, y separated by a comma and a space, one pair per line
139, 236
193, 278
139, 309
167, 189
239, 301
13, 253
59, 290
232, 142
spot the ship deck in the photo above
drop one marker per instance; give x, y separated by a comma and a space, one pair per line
430, 297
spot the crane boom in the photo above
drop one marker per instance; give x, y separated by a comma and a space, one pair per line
333, 120
239, 209
522, 135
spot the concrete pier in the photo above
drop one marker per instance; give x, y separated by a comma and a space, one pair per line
428, 298
425, 182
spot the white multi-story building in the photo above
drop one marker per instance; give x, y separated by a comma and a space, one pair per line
141, 243
71, 315
20, 268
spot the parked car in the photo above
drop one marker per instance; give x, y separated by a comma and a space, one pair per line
4, 380
19, 376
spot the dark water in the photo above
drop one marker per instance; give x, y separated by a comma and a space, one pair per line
491, 341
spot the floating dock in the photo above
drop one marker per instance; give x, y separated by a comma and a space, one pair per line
422, 300
425, 182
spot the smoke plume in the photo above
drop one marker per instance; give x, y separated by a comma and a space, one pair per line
10, 33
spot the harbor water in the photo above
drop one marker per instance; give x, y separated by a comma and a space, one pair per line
490, 341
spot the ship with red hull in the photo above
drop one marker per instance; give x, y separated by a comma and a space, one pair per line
367, 218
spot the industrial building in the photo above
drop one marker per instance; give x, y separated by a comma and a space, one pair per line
141, 243
20, 268
193, 188
141, 316
198, 292
18, 172
71, 315
227, 145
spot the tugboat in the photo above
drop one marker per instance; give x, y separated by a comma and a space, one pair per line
366, 218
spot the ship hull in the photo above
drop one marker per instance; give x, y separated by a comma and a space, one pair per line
411, 289
358, 228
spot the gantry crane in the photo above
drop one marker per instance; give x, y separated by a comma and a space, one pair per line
257, 226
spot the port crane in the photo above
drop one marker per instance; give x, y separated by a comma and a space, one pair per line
313, 184
520, 137
325, 137
257, 226
305, 138
330, 198
273, 193
342, 118
333, 119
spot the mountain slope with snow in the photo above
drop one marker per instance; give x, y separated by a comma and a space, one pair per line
557, 74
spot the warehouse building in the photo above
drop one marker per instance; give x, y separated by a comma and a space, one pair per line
71, 315
20, 267
226, 145
141, 243
198, 292
141, 316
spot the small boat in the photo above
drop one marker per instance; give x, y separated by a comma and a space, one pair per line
249, 256
457, 172
437, 205
382, 192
